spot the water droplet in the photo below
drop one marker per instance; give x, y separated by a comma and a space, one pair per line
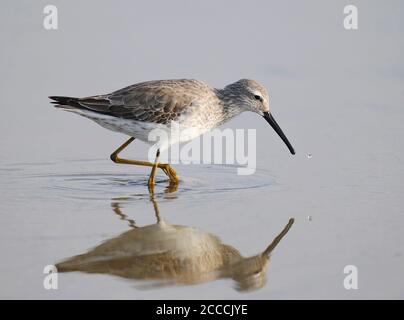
309, 218
309, 155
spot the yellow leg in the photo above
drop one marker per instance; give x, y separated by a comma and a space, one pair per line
151, 182
168, 170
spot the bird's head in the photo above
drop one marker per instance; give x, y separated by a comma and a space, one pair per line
249, 95
252, 96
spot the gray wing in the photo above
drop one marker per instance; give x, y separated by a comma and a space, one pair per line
154, 101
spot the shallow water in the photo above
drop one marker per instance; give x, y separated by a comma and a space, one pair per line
95, 194
337, 94
57, 210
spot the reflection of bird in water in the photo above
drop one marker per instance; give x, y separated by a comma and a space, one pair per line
172, 254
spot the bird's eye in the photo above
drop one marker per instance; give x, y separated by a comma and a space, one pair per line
257, 97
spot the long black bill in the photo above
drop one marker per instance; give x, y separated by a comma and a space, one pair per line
270, 119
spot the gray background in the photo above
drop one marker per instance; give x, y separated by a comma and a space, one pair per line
337, 94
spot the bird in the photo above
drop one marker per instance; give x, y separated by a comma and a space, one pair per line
171, 254
189, 104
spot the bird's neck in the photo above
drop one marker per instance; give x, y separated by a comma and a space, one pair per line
231, 104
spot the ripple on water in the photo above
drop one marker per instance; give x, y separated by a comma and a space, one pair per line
101, 180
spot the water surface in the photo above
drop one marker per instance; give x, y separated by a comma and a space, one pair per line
337, 94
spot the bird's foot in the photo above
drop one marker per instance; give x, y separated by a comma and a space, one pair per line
150, 186
171, 173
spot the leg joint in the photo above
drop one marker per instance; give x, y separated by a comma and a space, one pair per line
113, 157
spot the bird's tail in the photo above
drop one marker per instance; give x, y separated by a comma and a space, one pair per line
66, 102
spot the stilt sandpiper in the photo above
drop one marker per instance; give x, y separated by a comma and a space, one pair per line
189, 104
